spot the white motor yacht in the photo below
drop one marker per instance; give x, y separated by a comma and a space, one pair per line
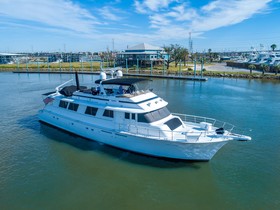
274, 58
125, 113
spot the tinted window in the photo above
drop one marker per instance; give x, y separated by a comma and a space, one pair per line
73, 106
142, 118
91, 110
154, 115
63, 104
126, 115
173, 123
108, 113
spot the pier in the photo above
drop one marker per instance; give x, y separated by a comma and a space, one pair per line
178, 77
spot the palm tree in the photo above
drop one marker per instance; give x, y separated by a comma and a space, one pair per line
273, 47
210, 54
264, 68
251, 67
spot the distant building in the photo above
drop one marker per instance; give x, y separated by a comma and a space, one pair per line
142, 55
9, 58
48, 57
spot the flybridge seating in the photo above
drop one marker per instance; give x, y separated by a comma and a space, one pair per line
119, 87
69, 90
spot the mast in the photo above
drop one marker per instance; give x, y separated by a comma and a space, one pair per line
77, 80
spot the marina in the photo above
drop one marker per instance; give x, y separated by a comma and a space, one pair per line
140, 105
44, 166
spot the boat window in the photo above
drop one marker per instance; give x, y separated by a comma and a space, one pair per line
126, 115
91, 110
73, 106
108, 113
141, 118
133, 116
173, 123
154, 115
131, 89
63, 104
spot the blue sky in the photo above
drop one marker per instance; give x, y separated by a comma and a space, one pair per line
95, 25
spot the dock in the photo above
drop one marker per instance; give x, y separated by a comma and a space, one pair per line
197, 78
178, 77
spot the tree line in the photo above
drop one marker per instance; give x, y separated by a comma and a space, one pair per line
177, 54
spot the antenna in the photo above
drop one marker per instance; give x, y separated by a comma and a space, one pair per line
113, 45
190, 43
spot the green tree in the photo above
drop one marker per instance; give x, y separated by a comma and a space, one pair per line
264, 68
176, 53
185, 55
273, 47
251, 67
216, 56
210, 54
276, 69
169, 51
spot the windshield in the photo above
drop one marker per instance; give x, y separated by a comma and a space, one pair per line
154, 115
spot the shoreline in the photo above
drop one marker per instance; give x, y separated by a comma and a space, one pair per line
159, 73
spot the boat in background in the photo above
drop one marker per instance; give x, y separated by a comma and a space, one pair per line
274, 59
125, 113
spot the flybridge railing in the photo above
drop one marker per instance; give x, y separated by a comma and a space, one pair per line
199, 119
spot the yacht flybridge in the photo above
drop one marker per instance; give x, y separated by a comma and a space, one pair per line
125, 113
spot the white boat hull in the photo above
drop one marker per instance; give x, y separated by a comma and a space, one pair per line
140, 144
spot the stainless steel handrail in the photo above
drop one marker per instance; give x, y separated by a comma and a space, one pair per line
199, 119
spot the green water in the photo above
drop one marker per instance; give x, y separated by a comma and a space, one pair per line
44, 168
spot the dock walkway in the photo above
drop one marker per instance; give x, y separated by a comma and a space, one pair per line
179, 77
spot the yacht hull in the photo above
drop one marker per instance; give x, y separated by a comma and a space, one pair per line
139, 144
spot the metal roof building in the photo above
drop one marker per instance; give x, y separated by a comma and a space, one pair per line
143, 55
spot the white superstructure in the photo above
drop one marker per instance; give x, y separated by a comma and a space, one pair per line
124, 113
274, 58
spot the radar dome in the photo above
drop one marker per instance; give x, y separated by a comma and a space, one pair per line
103, 75
119, 73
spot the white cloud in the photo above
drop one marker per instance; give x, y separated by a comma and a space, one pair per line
221, 13
151, 5
62, 14
159, 20
155, 5
182, 13
174, 15
139, 7
168, 20
110, 13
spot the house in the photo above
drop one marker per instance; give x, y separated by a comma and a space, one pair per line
142, 55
